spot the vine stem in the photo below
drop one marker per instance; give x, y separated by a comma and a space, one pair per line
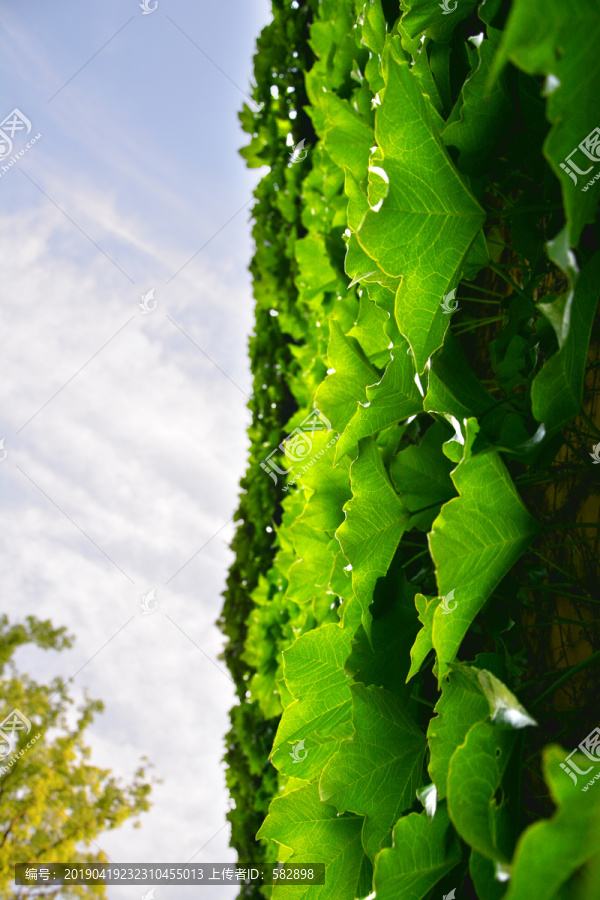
422, 700
483, 290
572, 671
479, 323
523, 210
508, 247
495, 268
567, 543
422, 553
570, 525
553, 564
477, 300
563, 593
580, 622
590, 422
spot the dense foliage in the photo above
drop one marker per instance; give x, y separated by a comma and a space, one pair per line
411, 613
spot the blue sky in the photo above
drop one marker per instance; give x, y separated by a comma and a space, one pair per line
125, 430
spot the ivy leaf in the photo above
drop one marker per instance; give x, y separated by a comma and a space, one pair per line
557, 389
421, 475
422, 854
317, 834
458, 709
375, 521
426, 16
393, 398
339, 394
428, 220
346, 136
548, 37
504, 707
374, 27
550, 850
453, 387
470, 695
483, 873
327, 487
316, 274
474, 542
382, 661
321, 712
310, 573
482, 111
377, 771
423, 642
474, 776
369, 331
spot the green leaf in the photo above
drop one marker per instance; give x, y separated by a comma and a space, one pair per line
483, 873
321, 713
421, 475
474, 776
393, 398
374, 27
504, 707
309, 575
550, 850
426, 16
346, 136
549, 37
383, 660
369, 331
375, 521
480, 116
341, 391
316, 274
457, 710
317, 834
358, 206
423, 642
428, 220
474, 541
377, 771
454, 389
422, 854
327, 486
557, 389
